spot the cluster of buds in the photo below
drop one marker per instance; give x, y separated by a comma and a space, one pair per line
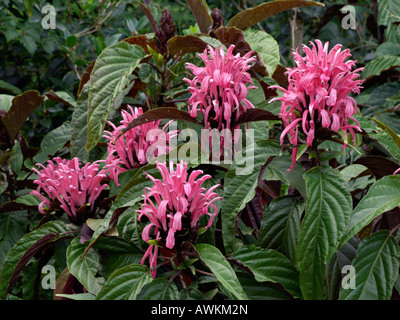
218, 20
318, 94
165, 31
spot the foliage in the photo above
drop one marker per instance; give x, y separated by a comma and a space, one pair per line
278, 233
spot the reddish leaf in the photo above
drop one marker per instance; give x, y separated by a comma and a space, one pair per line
142, 41
22, 107
181, 45
64, 284
387, 221
157, 114
32, 251
149, 16
85, 77
379, 166
268, 92
14, 206
231, 35
280, 77
248, 18
255, 114
200, 12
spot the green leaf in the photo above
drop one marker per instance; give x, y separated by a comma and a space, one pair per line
128, 197
388, 48
53, 141
343, 257
386, 138
388, 11
261, 290
16, 159
128, 227
278, 170
29, 43
376, 267
249, 17
77, 296
71, 41
328, 211
84, 268
394, 135
79, 126
240, 184
12, 229
159, 289
22, 246
61, 96
266, 47
352, 171
222, 270
280, 225
380, 64
384, 195
270, 265
5, 101
28, 5
28, 199
9, 88
109, 81
125, 283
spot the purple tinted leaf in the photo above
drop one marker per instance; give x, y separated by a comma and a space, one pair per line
22, 107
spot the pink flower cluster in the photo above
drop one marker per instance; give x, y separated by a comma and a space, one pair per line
180, 202
74, 186
130, 150
219, 88
319, 94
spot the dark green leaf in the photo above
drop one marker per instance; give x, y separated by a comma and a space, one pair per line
380, 64
159, 289
376, 267
384, 195
280, 225
222, 270
125, 283
53, 141
84, 268
270, 265
109, 81
20, 249
79, 126
240, 184
343, 257
328, 211
266, 47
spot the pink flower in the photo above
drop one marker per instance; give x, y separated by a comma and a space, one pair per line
219, 88
130, 150
180, 201
74, 186
319, 94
